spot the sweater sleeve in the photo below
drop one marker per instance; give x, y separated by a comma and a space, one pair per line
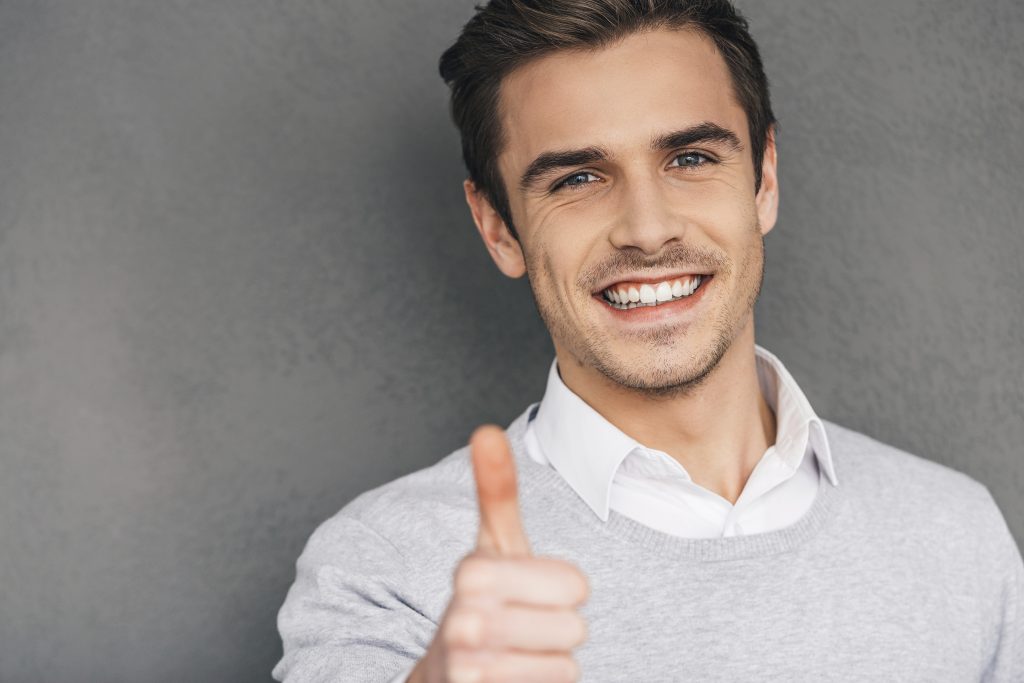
349, 616
403, 675
1007, 665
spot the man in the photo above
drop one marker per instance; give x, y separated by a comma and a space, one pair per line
672, 509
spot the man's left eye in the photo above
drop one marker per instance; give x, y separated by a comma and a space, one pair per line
692, 159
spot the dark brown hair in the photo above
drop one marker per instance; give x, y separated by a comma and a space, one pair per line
505, 34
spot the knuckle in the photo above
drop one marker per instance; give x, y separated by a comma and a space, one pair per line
582, 586
577, 586
568, 669
464, 627
459, 666
578, 628
474, 575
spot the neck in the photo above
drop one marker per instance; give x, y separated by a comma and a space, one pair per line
718, 432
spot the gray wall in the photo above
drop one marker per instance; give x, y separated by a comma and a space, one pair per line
239, 285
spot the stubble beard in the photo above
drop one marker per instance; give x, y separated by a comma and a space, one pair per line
656, 377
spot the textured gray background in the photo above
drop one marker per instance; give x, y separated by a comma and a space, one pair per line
239, 285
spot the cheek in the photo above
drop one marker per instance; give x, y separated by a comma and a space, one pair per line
731, 222
542, 270
556, 257
723, 204
556, 272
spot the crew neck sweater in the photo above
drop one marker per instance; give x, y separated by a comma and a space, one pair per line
906, 572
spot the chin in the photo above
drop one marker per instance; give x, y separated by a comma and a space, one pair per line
650, 375
667, 371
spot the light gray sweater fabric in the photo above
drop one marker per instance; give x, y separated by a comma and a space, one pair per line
904, 572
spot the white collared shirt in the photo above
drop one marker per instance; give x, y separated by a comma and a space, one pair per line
611, 471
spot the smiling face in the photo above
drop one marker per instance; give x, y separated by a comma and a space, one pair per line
631, 185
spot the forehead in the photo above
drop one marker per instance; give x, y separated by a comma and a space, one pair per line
617, 96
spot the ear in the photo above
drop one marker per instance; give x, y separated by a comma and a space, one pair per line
503, 247
767, 199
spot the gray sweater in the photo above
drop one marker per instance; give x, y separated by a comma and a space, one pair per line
904, 572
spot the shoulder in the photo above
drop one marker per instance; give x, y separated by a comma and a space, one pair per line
409, 532
897, 482
865, 459
429, 512
427, 497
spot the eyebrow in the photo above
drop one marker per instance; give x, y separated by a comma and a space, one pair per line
705, 132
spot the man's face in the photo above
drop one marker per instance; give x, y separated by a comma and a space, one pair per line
660, 190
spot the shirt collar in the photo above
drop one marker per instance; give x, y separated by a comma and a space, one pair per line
587, 450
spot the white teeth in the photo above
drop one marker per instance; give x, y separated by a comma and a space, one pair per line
664, 292
652, 295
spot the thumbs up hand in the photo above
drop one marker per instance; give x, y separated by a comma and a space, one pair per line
512, 616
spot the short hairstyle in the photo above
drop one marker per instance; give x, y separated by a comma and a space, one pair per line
505, 34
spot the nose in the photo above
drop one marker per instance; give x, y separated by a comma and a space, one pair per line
646, 220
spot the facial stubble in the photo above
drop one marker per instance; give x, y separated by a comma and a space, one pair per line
590, 346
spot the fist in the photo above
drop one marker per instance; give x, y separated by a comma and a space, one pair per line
512, 616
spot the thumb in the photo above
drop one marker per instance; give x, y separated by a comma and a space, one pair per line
501, 529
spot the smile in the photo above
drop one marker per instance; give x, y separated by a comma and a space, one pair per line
626, 295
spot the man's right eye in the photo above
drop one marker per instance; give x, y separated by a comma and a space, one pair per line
572, 182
